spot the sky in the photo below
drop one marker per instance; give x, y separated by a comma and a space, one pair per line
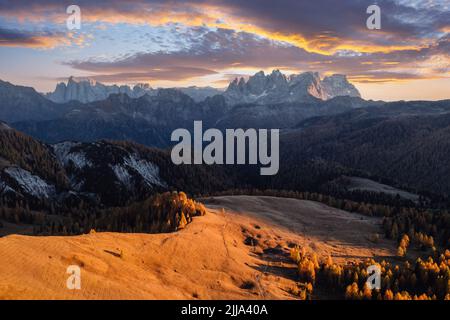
209, 43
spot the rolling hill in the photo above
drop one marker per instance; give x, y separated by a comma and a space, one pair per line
211, 258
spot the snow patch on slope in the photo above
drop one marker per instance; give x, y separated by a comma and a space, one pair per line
4, 188
148, 171
65, 156
122, 174
4, 126
30, 183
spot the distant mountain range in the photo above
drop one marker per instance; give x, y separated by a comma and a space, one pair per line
277, 88
151, 119
148, 116
259, 88
321, 139
87, 90
405, 144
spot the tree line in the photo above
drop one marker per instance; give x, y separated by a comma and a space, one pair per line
427, 279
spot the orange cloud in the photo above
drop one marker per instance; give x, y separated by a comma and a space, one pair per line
218, 16
14, 38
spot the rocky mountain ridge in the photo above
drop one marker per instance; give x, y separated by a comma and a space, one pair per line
278, 88
259, 88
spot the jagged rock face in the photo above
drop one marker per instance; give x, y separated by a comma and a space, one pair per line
274, 88
304, 84
86, 91
337, 85
277, 88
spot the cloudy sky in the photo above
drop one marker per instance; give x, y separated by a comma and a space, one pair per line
182, 43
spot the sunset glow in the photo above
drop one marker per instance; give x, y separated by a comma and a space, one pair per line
184, 43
